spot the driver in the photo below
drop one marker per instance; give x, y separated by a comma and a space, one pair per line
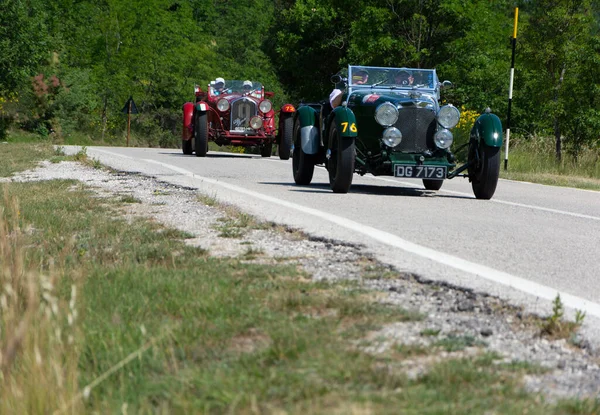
360, 77
247, 86
403, 78
219, 85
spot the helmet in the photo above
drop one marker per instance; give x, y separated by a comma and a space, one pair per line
402, 77
219, 82
247, 84
360, 76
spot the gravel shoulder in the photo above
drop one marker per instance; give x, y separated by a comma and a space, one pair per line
482, 323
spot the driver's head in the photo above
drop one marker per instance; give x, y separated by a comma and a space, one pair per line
247, 85
219, 84
360, 77
403, 78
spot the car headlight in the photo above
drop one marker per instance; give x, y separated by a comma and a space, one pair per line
448, 116
256, 122
223, 105
265, 106
443, 138
392, 137
386, 114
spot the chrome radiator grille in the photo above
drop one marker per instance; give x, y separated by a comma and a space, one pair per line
241, 111
418, 125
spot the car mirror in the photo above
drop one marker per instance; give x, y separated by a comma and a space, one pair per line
447, 85
336, 79
269, 94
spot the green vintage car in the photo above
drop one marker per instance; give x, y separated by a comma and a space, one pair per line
389, 121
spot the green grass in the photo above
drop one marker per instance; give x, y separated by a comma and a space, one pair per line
533, 160
226, 336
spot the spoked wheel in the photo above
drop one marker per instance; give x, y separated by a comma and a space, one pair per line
266, 150
201, 134
287, 136
432, 184
186, 146
303, 165
484, 169
341, 162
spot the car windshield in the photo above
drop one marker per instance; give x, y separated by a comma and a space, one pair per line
235, 87
391, 78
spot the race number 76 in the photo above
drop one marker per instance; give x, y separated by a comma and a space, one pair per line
345, 127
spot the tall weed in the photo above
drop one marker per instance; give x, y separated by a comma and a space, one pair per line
38, 352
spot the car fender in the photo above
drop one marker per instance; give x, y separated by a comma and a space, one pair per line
202, 106
489, 128
309, 131
188, 115
345, 121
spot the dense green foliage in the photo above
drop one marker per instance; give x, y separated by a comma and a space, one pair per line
68, 66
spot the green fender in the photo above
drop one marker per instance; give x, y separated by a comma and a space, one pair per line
489, 127
346, 121
306, 116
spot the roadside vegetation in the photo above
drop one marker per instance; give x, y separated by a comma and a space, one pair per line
101, 317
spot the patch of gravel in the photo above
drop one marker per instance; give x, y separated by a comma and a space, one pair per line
481, 322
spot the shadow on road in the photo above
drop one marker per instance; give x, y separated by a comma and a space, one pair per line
367, 189
214, 155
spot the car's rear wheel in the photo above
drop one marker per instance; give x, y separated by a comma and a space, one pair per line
484, 169
432, 184
303, 165
266, 150
201, 134
287, 136
186, 146
341, 163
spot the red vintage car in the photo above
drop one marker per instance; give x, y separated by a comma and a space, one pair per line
236, 113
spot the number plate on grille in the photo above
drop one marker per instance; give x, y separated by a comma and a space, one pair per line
420, 172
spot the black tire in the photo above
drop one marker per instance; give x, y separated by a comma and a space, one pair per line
303, 165
432, 184
201, 134
485, 171
266, 150
341, 164
287, 136
186, 146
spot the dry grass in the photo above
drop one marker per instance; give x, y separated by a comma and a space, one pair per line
38, 357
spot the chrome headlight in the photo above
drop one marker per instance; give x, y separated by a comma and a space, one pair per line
223, 105
443, 139
392, 137
256, 122
448, 116
265, 106
386, 114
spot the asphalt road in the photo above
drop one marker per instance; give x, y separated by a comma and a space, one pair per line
527, 244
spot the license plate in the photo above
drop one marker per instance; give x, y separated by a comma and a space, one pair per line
421, 172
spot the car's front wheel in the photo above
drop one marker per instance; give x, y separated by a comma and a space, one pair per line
186, 146
285, 143
484, 169
266, 150
201, 134
432, 184
303, 165
341, 162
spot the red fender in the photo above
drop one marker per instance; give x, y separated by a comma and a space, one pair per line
188, 115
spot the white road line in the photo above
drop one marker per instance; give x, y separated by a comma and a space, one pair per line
502, 202
500, 277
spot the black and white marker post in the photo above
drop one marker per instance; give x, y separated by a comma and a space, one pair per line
510, 87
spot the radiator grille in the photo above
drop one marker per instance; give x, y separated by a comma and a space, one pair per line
241, 111
418, 126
